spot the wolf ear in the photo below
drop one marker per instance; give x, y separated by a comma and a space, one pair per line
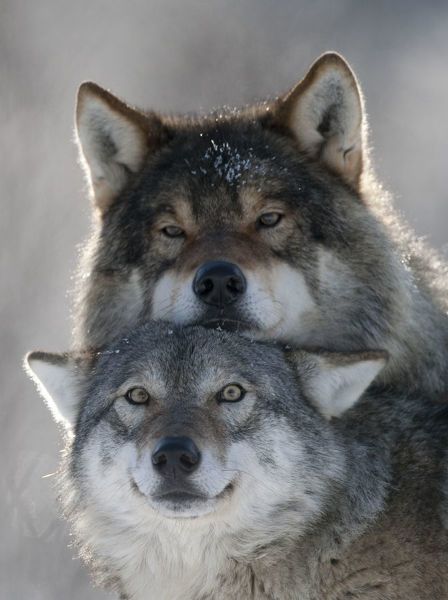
54, 376
325, 113
334, 382
114, 140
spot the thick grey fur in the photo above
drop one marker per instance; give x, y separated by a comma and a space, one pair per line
374, 477
388, 290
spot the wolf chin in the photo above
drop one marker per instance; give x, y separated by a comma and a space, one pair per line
265, 220
200, 465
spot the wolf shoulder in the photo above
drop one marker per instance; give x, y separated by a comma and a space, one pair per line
403, 551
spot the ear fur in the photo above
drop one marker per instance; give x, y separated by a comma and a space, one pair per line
54, 376
114, 140
325, 112
333, 381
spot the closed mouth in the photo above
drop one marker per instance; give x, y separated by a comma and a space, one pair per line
180, 497
231, 325
180, 502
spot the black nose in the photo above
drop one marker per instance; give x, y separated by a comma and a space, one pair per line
176, 454
219, 283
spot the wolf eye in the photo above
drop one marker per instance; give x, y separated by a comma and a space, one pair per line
172, 231
232, 393
269, 219
137, 395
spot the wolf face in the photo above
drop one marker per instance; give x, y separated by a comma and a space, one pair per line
265, 220
198, 424
252, 220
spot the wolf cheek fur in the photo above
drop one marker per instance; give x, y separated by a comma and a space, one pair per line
282, 191
200, 465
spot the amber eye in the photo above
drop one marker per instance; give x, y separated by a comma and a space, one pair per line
137, 395
172, 231
269, 219
232, 393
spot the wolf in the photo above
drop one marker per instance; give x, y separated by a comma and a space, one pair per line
201, 465
267, 220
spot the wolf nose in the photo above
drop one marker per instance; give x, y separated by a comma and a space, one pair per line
219, 283
176, 453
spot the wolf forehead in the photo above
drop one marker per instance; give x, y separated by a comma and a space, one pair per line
185, 357
236, 165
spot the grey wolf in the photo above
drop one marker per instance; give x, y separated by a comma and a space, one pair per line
267, 220
201, 465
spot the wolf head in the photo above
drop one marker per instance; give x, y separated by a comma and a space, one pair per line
202, 427
252, 220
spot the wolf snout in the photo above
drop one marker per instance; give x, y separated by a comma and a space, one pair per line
175, 455
219, 283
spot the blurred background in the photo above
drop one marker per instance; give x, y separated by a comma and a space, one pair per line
171, 55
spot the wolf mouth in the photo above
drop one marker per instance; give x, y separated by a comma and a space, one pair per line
180, 496
231, 325
178, 501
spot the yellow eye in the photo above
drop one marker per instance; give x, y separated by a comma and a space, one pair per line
172, 231
232, 393
137, 395
269, 219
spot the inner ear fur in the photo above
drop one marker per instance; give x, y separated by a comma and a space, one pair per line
114, 140
325, 113
335, 381
57, 377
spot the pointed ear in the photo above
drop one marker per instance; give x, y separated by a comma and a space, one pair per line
334, 382
325, 113
114, 140
55, 378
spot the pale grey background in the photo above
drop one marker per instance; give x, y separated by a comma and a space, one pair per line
175, 55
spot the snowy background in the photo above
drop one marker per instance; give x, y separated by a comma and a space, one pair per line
172, 55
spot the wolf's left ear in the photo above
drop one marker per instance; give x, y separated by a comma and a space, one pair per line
114, 140
335, 381
55, 378
325, 113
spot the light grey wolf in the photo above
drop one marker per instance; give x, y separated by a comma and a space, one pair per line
201, 465
266, 220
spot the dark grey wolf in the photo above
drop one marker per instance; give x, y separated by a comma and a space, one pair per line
200, 465
267, 220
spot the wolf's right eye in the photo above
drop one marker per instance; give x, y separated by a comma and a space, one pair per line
137, 395
172, 231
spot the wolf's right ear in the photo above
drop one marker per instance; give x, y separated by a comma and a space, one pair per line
114, 140
55, 378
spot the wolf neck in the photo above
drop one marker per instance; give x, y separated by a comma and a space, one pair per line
418, 340
401, 313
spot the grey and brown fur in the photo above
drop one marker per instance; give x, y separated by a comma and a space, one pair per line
288, 505
339, 271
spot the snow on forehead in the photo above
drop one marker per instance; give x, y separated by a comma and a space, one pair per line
230, 162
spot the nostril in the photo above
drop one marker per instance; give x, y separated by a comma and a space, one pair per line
204, 287
236, 285
159, 459
188, 461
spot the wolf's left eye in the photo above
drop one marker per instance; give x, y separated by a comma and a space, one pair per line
137, 395
231, 393
269, 219
172, 231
